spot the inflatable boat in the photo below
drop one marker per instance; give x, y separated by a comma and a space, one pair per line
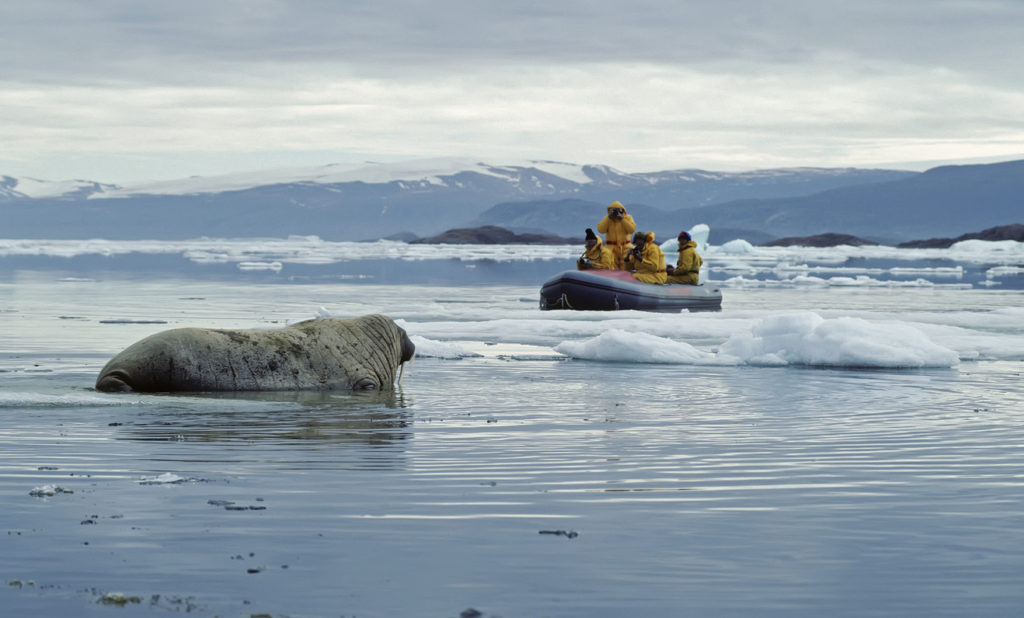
611, 290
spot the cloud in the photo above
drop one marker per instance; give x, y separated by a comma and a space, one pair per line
125, 38
647, 85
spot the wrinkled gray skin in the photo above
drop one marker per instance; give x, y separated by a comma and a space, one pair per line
322, 354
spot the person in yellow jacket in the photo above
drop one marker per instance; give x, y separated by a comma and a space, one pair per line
687, 269
646, 259
597, 256
617, 227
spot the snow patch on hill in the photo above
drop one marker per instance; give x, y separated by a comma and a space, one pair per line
38, 189
438, 172
431, 171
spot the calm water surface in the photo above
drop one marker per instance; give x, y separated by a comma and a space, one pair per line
517, 483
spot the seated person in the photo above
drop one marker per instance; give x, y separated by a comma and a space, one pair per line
646, 259
687, 269
596, 256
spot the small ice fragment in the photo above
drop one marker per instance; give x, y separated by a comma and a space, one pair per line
166, 478
47, 491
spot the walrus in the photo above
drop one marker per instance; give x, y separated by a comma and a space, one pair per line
321, 354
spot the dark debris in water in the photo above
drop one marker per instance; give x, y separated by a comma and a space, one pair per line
569, 534
229, 505
472, 612
118, 598
48, 491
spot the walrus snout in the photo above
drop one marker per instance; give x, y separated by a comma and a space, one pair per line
113, 382
408, 348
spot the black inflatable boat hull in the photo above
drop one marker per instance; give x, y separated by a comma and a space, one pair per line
611, 290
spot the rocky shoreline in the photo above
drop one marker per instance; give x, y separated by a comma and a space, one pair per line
1001, 232
819, 240
494, 235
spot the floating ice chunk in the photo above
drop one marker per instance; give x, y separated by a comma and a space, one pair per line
981, 246
617, 345
742, 282
256, 265
934, 271
18, 399
809, 281
1004, 271
698, 233
808, 339
47, 491
429, 348
737, 246
167, 478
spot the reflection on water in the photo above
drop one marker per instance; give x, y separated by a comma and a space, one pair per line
750, 491
373, 419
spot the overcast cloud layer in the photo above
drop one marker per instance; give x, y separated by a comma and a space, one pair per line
118, 90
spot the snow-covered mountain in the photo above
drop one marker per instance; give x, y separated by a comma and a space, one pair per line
427, 197
530, 178
32, 188
542, 175
545, 175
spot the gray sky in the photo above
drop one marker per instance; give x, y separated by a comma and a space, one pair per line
123, 90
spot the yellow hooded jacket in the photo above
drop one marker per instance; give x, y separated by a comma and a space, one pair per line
600, 257
688, 267
651, 266
617, 233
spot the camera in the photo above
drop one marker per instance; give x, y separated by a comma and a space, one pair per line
617, 213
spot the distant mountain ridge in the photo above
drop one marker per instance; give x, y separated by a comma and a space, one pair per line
686, 187
542, 197
943, 201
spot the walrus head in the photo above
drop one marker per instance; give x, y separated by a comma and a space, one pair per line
387, 335
408, 349
114, 382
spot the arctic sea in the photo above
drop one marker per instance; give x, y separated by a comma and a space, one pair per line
844, 438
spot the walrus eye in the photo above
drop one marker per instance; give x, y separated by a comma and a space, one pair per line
366, 384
